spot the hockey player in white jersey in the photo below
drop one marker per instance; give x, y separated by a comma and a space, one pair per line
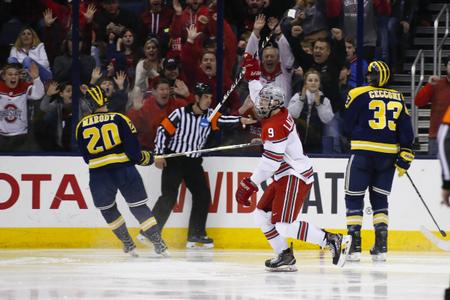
292, 172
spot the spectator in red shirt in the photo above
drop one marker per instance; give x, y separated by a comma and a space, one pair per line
154, 110
156, 21
437, 93
194, 12
202, 68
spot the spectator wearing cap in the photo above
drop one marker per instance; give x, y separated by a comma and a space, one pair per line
155, 108
276, 58
187, 129
173, 73
148, 68
437, 93
202, 68
111, 18
29, 49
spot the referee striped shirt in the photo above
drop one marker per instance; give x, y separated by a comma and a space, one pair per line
184, 131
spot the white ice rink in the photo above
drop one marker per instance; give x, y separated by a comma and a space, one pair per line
216, 274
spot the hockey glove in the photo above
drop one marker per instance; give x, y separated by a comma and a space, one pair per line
251, 67
245, 191
404, 159
147, 158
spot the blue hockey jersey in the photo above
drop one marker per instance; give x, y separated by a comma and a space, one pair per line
108, 140
377, 121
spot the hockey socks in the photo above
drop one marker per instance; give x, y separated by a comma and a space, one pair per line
303, 231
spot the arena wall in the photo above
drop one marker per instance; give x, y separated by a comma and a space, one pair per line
45, 202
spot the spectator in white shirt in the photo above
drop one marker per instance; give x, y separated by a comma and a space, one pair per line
29, 49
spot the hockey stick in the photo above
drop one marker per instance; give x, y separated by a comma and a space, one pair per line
221, 148
240, 76
441, 244
442, 232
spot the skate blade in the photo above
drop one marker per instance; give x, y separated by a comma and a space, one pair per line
345, 249
199, 246
144, 241
133, 253
380, 257
354, 257
290, 268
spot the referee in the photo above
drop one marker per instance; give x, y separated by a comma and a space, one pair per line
187, 129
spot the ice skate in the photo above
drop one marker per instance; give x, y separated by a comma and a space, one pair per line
284, 262
130, 248
354, 254
200, 242
379, 250
339, 246
154, 240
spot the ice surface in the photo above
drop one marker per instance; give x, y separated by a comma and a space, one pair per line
216, 274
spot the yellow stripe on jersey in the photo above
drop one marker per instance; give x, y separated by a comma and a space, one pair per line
376, 147
108, 159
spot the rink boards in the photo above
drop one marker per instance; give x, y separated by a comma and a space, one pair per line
45, 202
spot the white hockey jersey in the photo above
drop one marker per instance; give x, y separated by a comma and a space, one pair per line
283, 151
13, 106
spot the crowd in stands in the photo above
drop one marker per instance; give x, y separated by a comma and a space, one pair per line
148, 55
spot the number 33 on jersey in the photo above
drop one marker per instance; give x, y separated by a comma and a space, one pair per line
377, 120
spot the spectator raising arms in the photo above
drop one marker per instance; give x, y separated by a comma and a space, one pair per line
13, 105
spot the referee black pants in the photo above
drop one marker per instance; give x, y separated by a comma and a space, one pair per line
191, 171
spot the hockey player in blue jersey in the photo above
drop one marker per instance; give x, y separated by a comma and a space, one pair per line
110, 147
379, 126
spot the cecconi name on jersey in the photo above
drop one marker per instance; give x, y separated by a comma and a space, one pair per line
384, 94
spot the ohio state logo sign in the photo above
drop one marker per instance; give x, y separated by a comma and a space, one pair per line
10, 113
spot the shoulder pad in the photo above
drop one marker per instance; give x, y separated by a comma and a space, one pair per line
128, 121
354, 93
277, 130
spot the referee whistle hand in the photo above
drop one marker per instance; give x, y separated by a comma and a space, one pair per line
160, 163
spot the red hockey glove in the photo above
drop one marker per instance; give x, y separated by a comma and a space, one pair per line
245, 190
251, 67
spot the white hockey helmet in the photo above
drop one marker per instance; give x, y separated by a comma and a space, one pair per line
270, 98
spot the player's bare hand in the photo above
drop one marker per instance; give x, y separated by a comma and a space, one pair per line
160, 163
445, 197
